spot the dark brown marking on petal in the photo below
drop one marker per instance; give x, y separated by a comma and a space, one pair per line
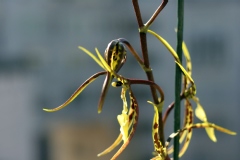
119, 83
118, 60
156, 142
117, 46
136, 118
187, 112
86, 82
134, 104
155, 126
109, 61
191, 117
131, 116
196, 126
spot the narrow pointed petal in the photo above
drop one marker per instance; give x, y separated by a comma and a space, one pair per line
103, 62
224, 130
166, 44
188, 58
77, 92
211, 125
130, 122
186, 134
211, 134
133, 118
114, 145
189, 121
185, 72
92, 56
124, 119
105, 88
200, 113
172, 51
155, 136
188, 62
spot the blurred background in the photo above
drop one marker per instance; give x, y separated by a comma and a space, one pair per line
41, 66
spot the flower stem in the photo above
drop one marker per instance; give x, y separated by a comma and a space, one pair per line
178, 78
143, 41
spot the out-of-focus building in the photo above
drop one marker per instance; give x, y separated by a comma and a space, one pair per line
41, 66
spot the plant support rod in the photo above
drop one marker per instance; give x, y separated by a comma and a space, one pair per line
178, 77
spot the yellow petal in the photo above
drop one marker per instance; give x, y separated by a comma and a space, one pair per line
189, 121
174, 54
185, 72
91, 55
77, 92
123, 121
211, 134
210, 129
224, 130
200, 113
103, 62
166, 44
114, 145
188, 58
186, 52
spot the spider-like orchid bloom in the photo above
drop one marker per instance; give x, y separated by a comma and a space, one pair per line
189, 93
115, 57
190, 127
127, 120
129, 117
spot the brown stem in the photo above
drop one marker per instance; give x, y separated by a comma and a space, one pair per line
137, 12
169, 109
155, 14
143, 40
146, 82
